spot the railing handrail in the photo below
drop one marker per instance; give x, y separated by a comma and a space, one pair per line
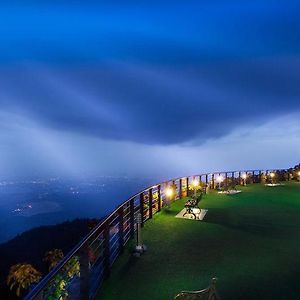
42, 284
194, 175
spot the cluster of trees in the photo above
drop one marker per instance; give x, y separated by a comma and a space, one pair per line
22, 276
28, 254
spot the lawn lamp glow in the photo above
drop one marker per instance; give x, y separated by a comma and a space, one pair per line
195, 185
244, 177
169, 192
220, 180
272, 175
169, 195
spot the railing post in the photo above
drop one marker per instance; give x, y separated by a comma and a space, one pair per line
84, 272
226, 178
259, 175
106, 249
240, 179
206, 178
40, 295
158, 198
121, 228
213, 181
142, 208
150, 203
174, 186
132, 218
187, 187
180, 187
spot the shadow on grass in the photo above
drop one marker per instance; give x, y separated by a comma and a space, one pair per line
169, 212
234, 220
275, 286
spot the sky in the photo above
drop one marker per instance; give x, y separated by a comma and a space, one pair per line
148, 88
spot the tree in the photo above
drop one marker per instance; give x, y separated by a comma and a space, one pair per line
22, 276
53, 257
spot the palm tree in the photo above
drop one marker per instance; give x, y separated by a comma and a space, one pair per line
53, 257
22, 276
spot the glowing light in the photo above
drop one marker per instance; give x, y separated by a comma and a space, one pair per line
272, 175
299, 173
195, 183
220, 179
244, 176
169, 192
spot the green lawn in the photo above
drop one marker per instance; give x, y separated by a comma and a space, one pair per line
249, 241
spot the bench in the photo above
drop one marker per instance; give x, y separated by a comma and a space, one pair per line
210, 293
191, 204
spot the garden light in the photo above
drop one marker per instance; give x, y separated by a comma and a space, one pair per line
244, 177
140, 247
169, 192
220, 179
195, 183
272, 175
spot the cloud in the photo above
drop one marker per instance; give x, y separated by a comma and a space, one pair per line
29, 150
153, 104
160, 73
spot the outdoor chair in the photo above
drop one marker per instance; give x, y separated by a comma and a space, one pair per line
191, 204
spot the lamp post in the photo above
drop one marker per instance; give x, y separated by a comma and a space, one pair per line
195, 185
244, 177
272, 175
169, 196
220, 180
140, 247
298, 175
207, 187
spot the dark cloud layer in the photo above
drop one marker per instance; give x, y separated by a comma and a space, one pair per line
153, 104
155, 73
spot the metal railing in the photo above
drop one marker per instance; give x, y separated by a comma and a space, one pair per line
80, 274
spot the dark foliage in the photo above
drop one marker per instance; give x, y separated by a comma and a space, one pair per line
31, 246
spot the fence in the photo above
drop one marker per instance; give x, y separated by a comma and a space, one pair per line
80, 274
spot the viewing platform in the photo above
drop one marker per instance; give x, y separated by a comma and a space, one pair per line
249, 241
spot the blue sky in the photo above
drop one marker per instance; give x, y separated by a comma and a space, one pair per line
161, 88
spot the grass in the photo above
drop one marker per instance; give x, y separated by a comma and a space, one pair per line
249, 241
